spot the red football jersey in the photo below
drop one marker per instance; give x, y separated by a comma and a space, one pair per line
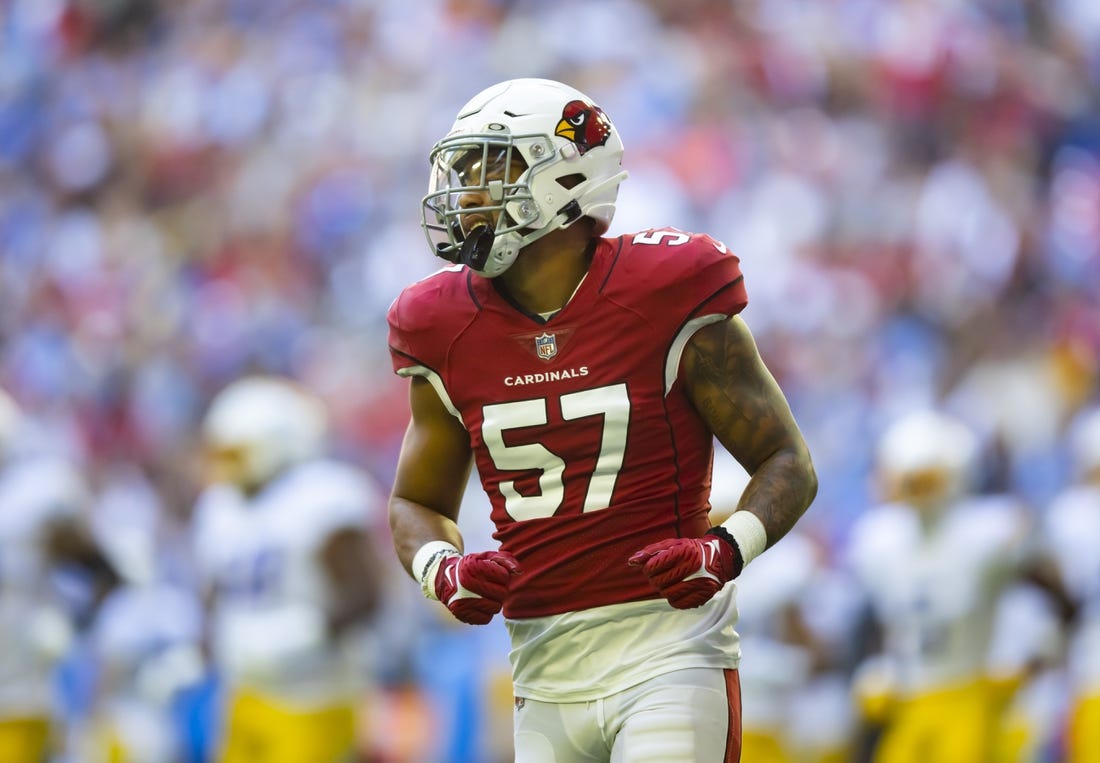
584, 440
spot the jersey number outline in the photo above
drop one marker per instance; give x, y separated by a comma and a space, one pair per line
611, 402
658, 236
254, 575
674, 237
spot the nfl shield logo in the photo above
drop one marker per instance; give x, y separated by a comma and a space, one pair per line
546, 346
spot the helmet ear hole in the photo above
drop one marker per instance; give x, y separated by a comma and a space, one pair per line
571, 181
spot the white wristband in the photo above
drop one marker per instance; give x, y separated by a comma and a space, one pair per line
426, 563
747, 529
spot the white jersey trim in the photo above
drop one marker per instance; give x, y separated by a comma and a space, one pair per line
436, 382
672, 363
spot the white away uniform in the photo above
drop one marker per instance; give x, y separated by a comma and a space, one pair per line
1072, 532
34, 627
934, 590
262, 558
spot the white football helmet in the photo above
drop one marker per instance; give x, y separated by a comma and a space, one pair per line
538, 154
257, 426
11, 418
1084, 442
928, 455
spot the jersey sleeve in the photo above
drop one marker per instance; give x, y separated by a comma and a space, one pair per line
212, 533
684, 276
714, 279
403, 333
415, 318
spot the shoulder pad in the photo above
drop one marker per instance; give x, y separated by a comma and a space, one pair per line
414, 318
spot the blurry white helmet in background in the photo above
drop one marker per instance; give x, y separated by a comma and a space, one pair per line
258, 426
571, 168
11, 418
1084, 443
44, 486
27, 434
927, 457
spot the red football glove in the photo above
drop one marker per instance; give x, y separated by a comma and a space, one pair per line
473, 586
689, 571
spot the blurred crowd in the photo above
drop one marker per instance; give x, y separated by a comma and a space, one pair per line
198, 190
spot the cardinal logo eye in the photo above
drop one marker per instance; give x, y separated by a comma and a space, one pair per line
584, 124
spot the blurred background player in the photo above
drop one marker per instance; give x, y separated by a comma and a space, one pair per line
284, 547
466, 671
140, 667
1072, 532
786, 661
933, 561
146, 650
793, 616
1027, 674
44, 542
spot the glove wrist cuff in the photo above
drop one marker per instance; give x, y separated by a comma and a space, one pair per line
426, 561
746, 533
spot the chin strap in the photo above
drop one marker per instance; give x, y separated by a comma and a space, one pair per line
474, 251
476, 248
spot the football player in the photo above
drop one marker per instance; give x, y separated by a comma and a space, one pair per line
1072, 532
44, 538
586, 377
933, 561
283, 540
146, 648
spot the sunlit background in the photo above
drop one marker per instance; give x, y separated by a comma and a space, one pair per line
195, 190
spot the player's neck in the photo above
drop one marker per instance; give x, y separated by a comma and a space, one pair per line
546, 274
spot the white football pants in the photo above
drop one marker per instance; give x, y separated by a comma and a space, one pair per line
686, 716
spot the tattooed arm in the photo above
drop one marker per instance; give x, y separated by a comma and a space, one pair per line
745, 409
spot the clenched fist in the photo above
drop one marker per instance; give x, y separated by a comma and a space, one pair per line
473, 586
689, 571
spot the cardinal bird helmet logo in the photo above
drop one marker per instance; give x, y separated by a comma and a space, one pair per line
584, 124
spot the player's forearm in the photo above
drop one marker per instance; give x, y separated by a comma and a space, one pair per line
779, 492
413, 525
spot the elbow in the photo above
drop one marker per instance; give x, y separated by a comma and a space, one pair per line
811, 481
803, 474
792, 467
398, 511
809, 472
